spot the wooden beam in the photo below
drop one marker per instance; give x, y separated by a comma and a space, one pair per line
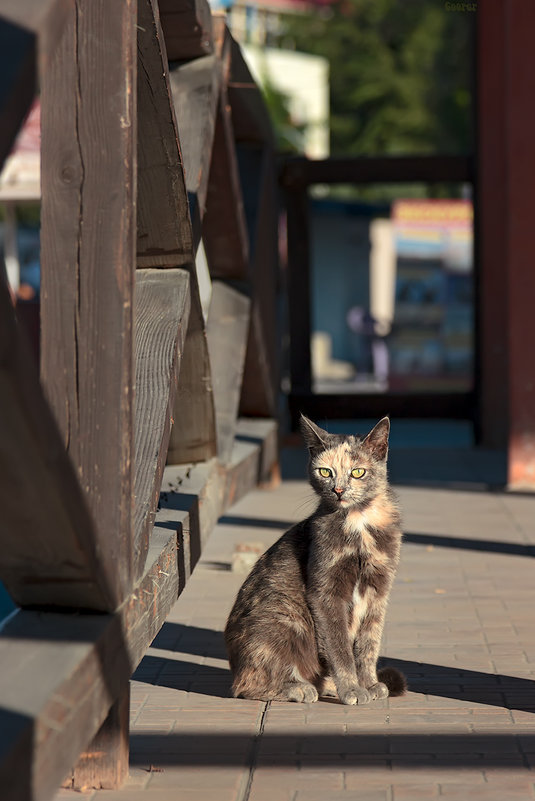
88, 259
261, 376
104, 764
29, 33
165, 239
162, 305
250, 117
224, 228
196, 87
227, 330
187, 27
458, 405
48, 550
164, 236
193, 437
83, 661
299, 172
520, 194
491, 228
298, 288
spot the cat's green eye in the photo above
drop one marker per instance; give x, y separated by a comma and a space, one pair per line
325, 472
358, 472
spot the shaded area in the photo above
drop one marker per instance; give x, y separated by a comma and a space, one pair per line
396, 749
471, 469
467, 686
439, 540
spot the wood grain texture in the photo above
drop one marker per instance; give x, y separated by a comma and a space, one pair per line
162, 305
48, 547
227, 331
195, 87
193, 436
164, 236
88, 259
82, 662
104, 764
187, 27
224, 228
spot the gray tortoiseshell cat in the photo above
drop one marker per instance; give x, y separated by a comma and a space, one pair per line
308, 619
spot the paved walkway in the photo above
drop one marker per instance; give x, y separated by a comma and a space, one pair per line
460, 625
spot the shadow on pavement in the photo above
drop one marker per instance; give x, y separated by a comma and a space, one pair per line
466, 686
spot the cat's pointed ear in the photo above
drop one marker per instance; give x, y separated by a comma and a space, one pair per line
314, 436
377, 440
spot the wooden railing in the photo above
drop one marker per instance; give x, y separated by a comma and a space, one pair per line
131, 374
297, 175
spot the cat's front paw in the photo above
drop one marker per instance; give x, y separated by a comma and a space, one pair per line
378, 691
354, 695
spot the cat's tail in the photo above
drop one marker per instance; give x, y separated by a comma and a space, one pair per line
394, 680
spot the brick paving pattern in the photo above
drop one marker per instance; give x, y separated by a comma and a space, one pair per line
460, 625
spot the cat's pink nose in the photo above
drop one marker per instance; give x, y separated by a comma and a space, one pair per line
339, 491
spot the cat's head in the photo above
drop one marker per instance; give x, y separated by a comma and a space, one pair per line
346, 471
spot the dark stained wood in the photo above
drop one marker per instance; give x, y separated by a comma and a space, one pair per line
164, 236
250, 117
195, 496
224, 228
193, 436
82, 663
29, 32
227, 330
196, 87
88, 260
520, 194
299, 171
104, 764
162, 305
339, 406
298, 289
187, 27
164, 233
491, 227
261, 376
53, 558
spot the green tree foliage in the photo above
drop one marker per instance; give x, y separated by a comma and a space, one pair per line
400, 73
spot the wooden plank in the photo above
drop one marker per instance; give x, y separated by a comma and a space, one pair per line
491, 225
298, 288
164, 236
187, 27
250, 117
227, 330
82, 663
224, 228
29, 32
520, 194
162, 305
261, 378
48, 549
88, 230
458, 405
83, 660
195, 88
104, 764
299, 171
193, 436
